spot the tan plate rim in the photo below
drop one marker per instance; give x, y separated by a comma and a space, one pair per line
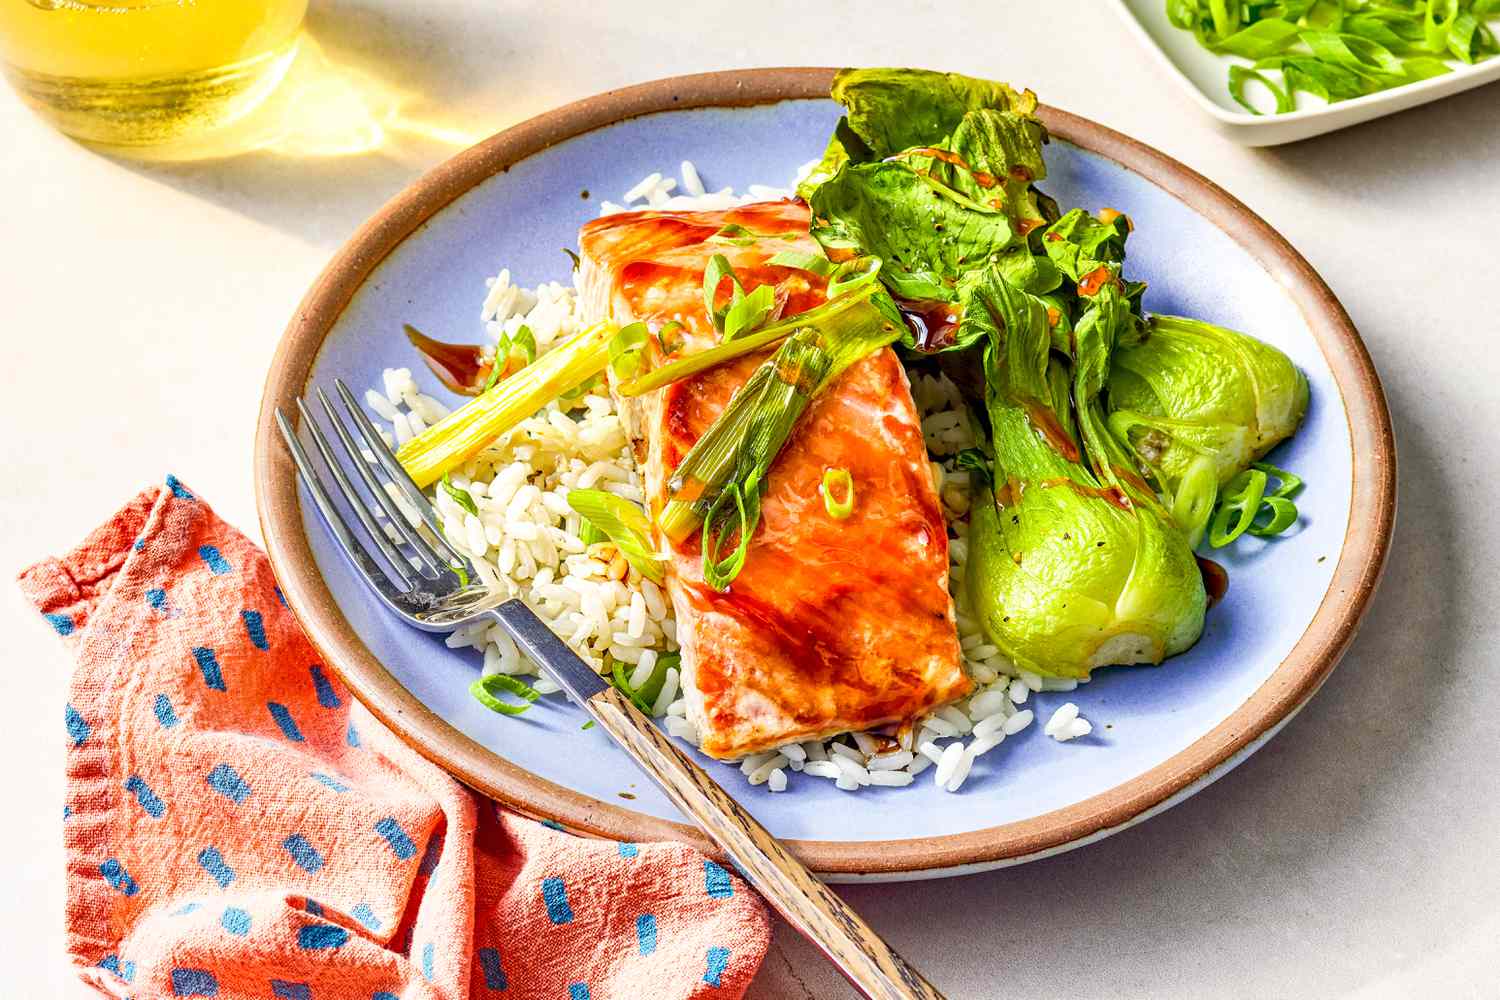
1371, 516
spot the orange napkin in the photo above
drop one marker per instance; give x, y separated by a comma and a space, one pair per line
236, 826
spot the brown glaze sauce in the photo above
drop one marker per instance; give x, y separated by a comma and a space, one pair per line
463, 368
1107, 493
1052, 430
1215, 579
981, 178
934, 325
1091, 283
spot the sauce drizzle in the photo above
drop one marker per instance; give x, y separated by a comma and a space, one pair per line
1215, 579
463, 368
981, 178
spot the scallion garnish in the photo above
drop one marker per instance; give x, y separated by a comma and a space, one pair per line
719, 483
837, 481
643, 697
471, 428
669, 338
749, 312
1251, 508
811, 262
748, 343
1337, 51
853, 274
486, 691
624, 524
737, 235
714, 274
461, 497
588, 534
625, 350
526, 341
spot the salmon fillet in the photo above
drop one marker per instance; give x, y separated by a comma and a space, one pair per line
832, 625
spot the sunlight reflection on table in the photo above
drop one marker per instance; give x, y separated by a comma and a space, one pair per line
321, 109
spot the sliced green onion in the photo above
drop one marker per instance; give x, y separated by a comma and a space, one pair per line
581, 389
1261, 39
1194, 503
718, 572
588, 534
486, 689
467, 431
1240, 75
497, 365
1241, 503
1283, 516
625, 350
625, 525
749, 312
750, 343
814, 263
526, 341
643, 697
720, 481
461, 497
1289, 484
669, 338
837, 481
737, 235
587, 725
852, 275
503, 348
713, 276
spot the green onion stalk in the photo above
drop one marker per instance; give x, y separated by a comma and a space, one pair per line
719, 484
831, 313
467, 431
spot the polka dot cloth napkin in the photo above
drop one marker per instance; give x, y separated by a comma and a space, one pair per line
236, 826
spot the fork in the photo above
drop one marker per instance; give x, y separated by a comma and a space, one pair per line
430, 589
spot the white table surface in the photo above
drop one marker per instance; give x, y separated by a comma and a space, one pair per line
1355, 856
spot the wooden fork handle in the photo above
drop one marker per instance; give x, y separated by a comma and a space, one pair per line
796, 893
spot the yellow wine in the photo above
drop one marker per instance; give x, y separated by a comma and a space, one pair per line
136, 72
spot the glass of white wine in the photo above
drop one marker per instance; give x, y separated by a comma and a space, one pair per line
145, 72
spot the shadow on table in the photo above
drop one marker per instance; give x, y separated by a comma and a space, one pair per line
1274, 827
372, 99
1386, 152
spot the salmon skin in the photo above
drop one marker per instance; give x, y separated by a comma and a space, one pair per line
833, 625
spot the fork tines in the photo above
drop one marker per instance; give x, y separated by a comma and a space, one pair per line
392, 511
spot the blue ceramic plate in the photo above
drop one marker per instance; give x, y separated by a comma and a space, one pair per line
1159, 733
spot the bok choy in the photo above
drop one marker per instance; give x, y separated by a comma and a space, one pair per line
1073, 563
1196, 404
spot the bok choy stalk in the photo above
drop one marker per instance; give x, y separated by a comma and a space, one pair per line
719, 483
466, 431
1197, 404
1072, 563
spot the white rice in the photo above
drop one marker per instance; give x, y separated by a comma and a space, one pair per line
525, 541
1066, 724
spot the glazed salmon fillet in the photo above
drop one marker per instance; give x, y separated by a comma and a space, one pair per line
832, 625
